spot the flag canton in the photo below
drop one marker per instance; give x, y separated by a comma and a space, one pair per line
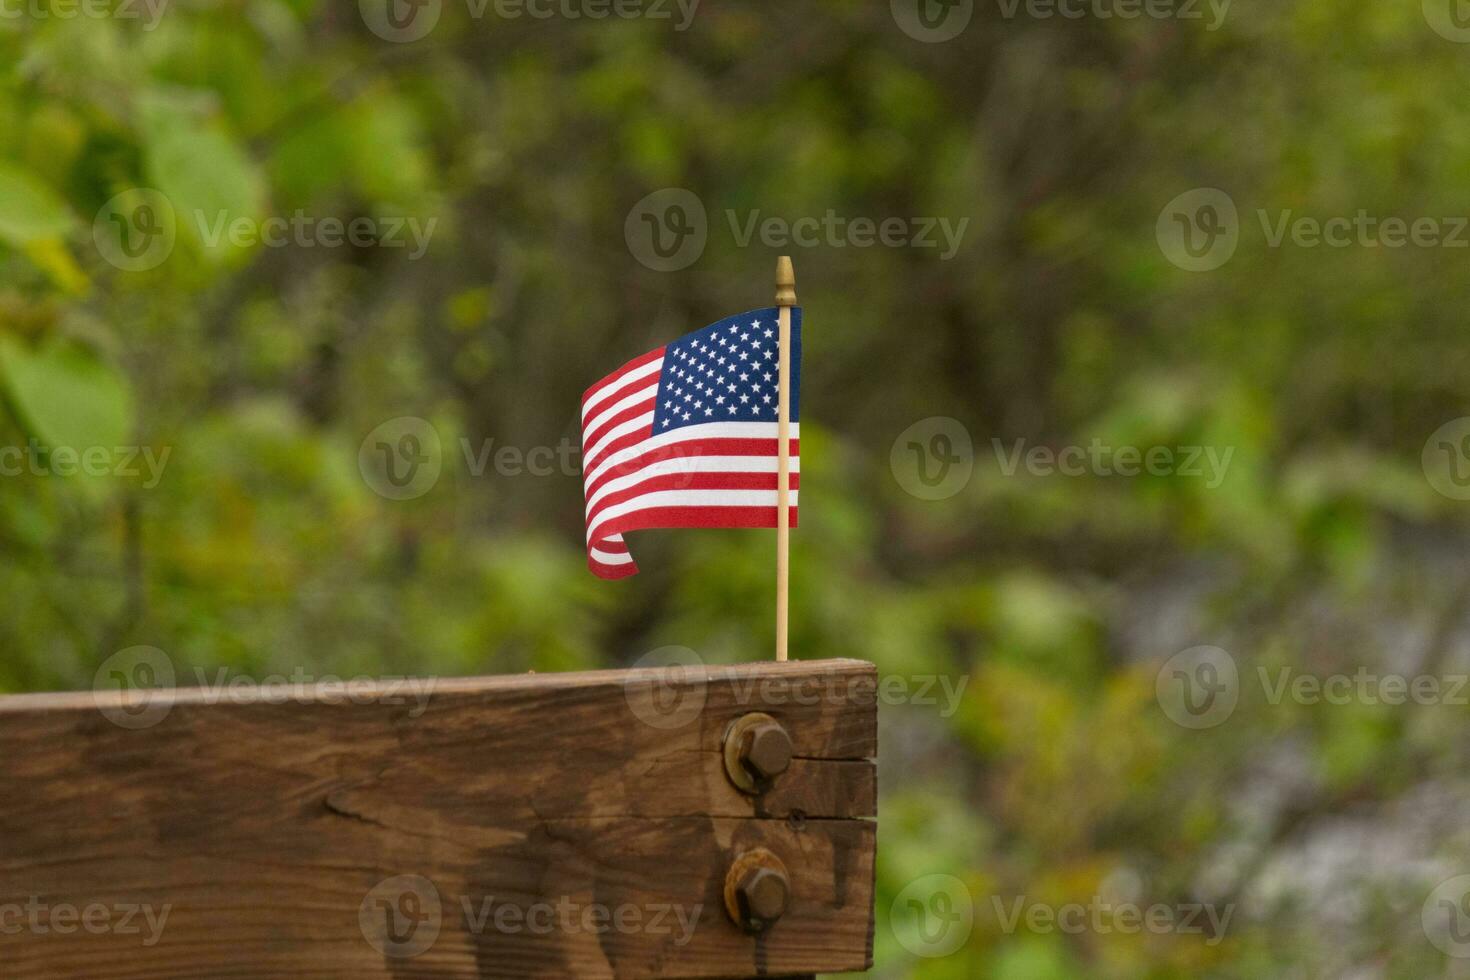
726, 372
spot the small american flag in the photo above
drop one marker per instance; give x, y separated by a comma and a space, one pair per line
685, 436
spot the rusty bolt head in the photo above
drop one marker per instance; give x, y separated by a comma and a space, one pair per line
763, 893
757, 890
765, 751
757, 750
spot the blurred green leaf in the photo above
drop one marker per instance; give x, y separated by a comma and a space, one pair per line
29, 210
64, 395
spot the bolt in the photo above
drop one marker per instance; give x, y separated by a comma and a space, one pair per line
757, 750
765, 750
762, 893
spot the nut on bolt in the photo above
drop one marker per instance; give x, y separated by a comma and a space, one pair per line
757, 890
757, 750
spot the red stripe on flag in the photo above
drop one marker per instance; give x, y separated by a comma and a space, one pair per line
628, 368
688, 449
695, 481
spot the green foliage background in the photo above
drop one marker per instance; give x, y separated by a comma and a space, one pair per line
1057, 776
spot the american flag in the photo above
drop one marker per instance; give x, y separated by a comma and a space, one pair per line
685, 436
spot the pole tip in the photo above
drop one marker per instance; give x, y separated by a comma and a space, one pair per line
785, 282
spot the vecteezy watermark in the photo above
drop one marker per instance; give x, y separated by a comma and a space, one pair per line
566, 916
1102, 917
1362, 230
148, 11
669, 229
401, 917
1100, 459
1445, 459
131, 687
138, 229
37, 917
939, 691
1446, 917
1199, 687
563, 459
932, 21
668, 688
1200, 229
933, 458
832, 230
126, 462
402, 458
135, 688
1363, 686
225, 686
1449, 19
303, 230
410, 20
933, 916
1186, 10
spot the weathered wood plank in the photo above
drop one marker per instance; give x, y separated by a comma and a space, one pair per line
551, 825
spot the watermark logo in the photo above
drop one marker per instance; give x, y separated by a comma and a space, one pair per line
402, 458
148, 11
1363, 686
933, 916
400, 21
667, 230
1446, 917
833, 230
1199, 687
122, 462
401, 916
1101, 459
565, 458
136, 230
142, 675
666, 688
1446, 459
303, 230
1103, 917
933, 458
1361, 230
130, 688
1450, 19
932, 21
1119, 10
1199, 230
40, 918
570, 917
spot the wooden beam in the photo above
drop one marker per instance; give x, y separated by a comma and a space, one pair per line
571, 825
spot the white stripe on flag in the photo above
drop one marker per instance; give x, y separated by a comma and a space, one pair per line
689, 433
691, 464
687, 498
653, 367
632, 425
641, 395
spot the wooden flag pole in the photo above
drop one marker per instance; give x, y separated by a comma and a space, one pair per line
785, 300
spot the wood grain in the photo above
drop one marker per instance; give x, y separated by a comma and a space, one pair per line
573, 825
